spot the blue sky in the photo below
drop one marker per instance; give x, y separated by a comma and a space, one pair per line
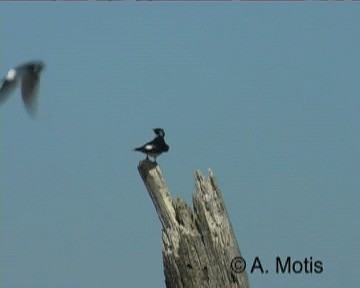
265, 94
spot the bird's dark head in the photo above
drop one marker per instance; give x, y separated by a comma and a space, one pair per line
159, 132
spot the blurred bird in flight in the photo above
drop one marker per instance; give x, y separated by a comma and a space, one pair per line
28, 75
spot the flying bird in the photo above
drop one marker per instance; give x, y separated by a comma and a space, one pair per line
155, 147
28, 74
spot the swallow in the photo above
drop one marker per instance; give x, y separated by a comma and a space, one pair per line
28, 74
155, 147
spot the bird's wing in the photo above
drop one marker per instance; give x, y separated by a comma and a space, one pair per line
152, 145
7, 87
147, 147
25, 65
29, 90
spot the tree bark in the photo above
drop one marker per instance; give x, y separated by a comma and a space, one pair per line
198, 246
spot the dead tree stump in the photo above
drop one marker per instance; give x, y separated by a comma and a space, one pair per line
198, 246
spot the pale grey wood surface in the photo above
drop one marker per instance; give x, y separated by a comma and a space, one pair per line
198, 245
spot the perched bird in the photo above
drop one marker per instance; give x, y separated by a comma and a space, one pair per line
28, 74
155, 147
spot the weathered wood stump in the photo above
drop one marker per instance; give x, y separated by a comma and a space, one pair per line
198, 246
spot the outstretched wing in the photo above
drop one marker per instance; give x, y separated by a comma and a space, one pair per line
7, 87
29, 90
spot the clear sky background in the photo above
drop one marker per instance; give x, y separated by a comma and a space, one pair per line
265, 94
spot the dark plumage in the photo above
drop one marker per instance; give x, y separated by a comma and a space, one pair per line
28, 74
155, 147
159, 132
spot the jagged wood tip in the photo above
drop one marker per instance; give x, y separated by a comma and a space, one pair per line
198, 244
